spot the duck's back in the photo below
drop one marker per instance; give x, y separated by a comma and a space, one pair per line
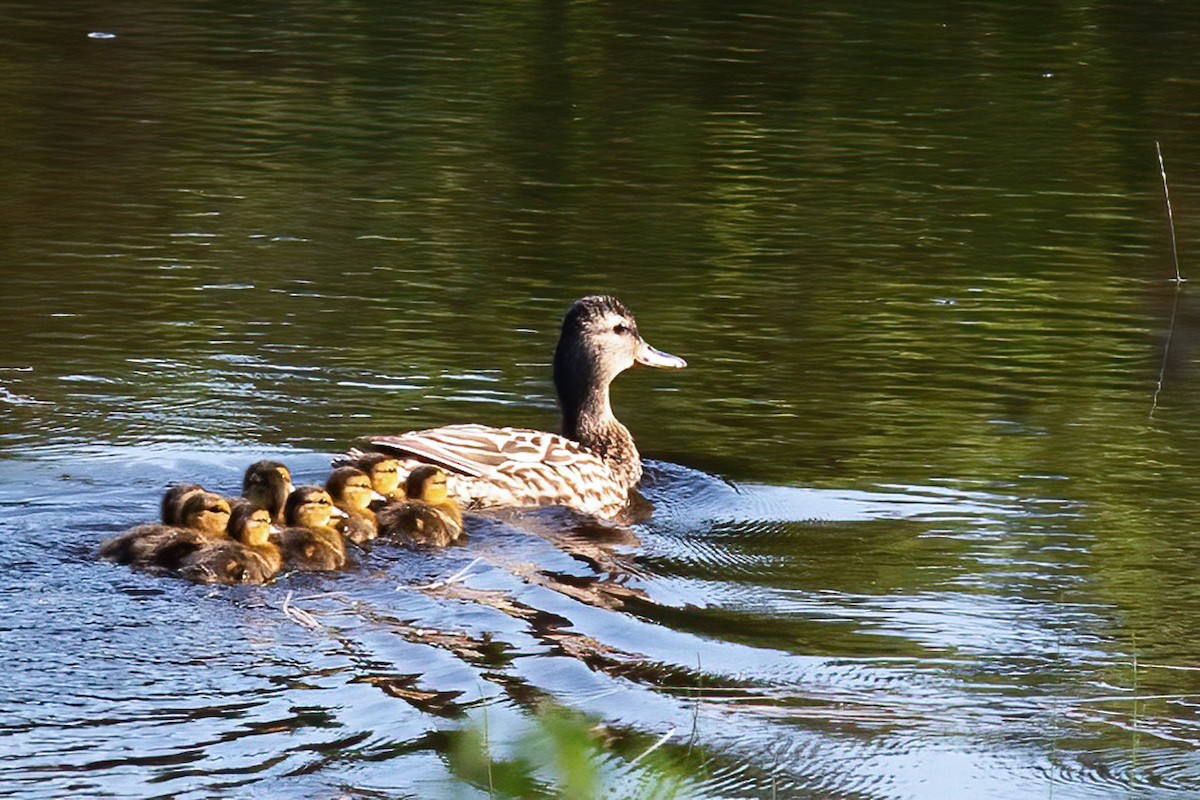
152, 546
493, 467
418, 522
309, 549
230, 563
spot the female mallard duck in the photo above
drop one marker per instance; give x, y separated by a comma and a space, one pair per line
384, 472
309, 542
248, 557
429, 516
351, 491
591, 467
204, 517
268, 484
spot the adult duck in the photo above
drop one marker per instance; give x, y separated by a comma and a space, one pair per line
591, 467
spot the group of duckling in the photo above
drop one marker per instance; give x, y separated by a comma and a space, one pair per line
275, 526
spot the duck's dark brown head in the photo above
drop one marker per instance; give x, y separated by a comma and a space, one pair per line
206, 512
350, 487
249, 523
426, 483
309, 507
173, 500
268, 483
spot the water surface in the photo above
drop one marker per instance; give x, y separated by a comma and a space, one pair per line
924, 499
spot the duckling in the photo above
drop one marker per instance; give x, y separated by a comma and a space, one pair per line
385, 477
268, 484
592, 467
248, 557
172, 502
309, 543
428, 517
205, 517
351, 491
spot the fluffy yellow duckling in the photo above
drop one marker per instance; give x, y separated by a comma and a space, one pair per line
428, 517
248, 557
385, 477
352, 492
309, 543
204, 516
268, 484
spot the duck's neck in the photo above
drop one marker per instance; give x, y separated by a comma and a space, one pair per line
589, 420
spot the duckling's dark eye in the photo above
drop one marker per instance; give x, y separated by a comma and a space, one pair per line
622, 329
216, 510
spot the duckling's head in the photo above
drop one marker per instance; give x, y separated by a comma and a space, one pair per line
309, 507
205, 512
268, 484
384, 472
427, 483
250, 524
172, 501
350, 487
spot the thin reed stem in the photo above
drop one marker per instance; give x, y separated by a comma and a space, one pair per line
1162, 168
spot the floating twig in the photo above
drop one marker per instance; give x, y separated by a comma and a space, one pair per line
455, 578
298, 615
662, 740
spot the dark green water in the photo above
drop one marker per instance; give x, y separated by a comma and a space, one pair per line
924, 497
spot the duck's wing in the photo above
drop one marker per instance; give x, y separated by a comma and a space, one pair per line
494, 467
479, 451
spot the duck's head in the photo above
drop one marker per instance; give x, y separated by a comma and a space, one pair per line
350, 488
173, 499
250, 524
309, 507
427, 483
384, 472
267, 483
205, 512
599, 341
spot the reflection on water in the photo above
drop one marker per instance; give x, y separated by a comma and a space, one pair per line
922, 501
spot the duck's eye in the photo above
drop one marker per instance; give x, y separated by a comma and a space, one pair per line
622, 329
217, 510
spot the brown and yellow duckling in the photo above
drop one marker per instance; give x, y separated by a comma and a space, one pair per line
268, 484
204, 518
352, 492
309, 542
249, 556
173, 499
384, 472
428, 517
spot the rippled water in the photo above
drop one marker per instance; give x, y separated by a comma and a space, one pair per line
923, 502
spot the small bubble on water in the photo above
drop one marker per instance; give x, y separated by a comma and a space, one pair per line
101, 35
